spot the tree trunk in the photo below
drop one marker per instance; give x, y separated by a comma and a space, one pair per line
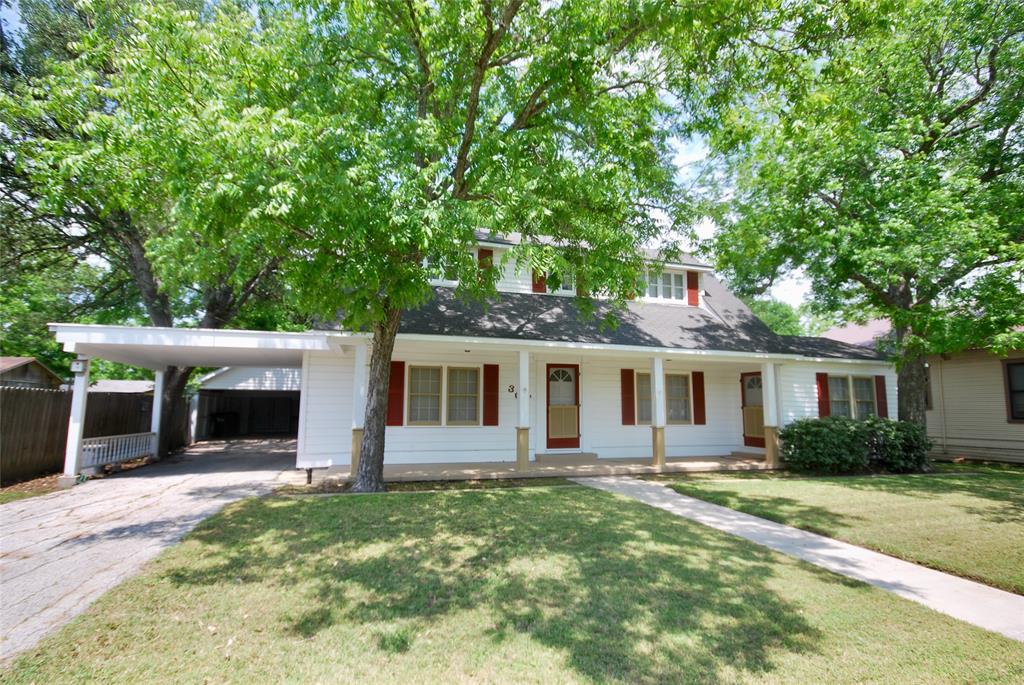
173, 412
911, 380
370, 477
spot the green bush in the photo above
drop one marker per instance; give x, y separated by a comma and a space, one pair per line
839, 445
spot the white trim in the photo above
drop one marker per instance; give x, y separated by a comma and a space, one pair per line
659, 409
300, 446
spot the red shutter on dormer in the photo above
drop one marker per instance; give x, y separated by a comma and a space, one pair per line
485, 258
699, 413
628, 398
881, 401
490, 394
540, 282
396, 394
824, 409
692, 286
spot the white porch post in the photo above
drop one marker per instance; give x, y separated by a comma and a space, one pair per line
358, 404
158, 405
658, 412
769, 390
76, 422
523, 424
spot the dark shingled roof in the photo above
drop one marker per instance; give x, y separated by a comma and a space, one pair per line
729, 327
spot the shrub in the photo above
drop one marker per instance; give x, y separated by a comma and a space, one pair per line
840, 445
833, 444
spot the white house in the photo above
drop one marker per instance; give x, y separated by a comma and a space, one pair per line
688, 371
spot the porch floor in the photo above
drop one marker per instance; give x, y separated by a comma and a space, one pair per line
574, 467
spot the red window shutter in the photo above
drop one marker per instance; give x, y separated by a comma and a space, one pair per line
396, 395
881, 401
485, 258
540, 282
692, 285
699, 413
490, 394
823, 404
628, 398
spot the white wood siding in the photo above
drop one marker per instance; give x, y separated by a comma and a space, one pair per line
255, 378
325, 422
968, 415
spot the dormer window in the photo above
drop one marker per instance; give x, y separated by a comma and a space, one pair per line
678, 286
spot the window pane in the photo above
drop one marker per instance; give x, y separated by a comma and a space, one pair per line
1016, 373
424, 394
679, 286
463, 395
677, 393
666, 285
864, 389
840, 408
839, 387
643, 398
1017, 404
652, 284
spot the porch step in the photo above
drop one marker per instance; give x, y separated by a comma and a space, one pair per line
565, 459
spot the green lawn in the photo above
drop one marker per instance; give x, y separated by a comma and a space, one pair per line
542, 585
965, 519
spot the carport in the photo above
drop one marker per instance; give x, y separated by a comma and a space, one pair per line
157, 349
247, 401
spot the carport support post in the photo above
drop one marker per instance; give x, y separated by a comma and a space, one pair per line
769, 393
358, 404
658, 411
523, 425
76, 423
158, 404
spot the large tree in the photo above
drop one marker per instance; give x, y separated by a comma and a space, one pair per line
79, 217
359, 146
890, 170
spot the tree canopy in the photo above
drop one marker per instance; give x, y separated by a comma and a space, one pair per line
889, 170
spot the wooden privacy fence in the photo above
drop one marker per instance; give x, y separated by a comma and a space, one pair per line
34, 427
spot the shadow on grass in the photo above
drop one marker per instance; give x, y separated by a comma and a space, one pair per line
626, 592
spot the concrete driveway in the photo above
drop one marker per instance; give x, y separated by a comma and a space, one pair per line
60, 552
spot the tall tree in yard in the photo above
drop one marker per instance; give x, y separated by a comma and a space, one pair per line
891, 171
81, 217
359, 145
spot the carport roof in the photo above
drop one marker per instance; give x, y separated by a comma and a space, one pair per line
156, 348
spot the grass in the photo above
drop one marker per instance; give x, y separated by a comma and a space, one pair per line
966, 519
532, 585
29, 488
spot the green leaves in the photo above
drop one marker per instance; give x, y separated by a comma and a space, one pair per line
891, 174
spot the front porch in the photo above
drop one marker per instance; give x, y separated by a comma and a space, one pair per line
550, 467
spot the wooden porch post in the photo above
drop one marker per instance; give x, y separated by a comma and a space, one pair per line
658, 412
358, 404
523, 424
76, 423
771, 415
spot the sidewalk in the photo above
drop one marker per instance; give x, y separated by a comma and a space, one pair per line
987, 607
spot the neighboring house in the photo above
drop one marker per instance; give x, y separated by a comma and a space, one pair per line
27, 372
123, 387
974, 399
247, 402
687, 371
976, 404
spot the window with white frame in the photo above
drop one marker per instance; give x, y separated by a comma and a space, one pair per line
643, 398
424, 395
677, 397
852, 396
463, 396
668, 285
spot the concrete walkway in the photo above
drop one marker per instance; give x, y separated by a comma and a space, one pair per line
996, 610
60, 552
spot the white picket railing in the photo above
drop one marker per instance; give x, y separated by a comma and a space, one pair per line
113, 449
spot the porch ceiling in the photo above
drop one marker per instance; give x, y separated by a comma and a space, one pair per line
157, 348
